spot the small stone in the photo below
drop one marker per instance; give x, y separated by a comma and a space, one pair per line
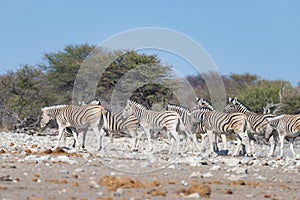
215, 167
193, 196
184, 183
79, 170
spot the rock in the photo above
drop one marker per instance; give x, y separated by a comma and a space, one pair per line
215, 167
207, 175
184, 183
193, 196
240, 170
196, 174
79, 170
232, 162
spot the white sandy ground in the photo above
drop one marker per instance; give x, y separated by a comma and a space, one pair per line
28, 172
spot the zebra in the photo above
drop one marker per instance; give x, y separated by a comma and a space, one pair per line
288, 127
258, 122
271, 133
79, 117
222, 122
149, 120
203, 103
185, 117
115, 122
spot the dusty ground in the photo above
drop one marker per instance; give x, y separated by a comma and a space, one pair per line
30, 170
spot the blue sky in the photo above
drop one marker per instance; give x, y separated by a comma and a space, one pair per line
257, 37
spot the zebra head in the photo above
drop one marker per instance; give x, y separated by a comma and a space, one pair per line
128, 109
45, 118
234, 105
203, 103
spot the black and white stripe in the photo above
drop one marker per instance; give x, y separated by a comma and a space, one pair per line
258, 122
117, 123
154, 120
79, 117
203, 103
185, 117
288, 128
222, 123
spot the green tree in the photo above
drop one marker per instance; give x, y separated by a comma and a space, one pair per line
61, 70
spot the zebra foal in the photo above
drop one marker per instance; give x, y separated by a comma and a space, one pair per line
150, 120
79, 117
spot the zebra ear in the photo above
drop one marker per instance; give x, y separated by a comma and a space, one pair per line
229, 99
197, 99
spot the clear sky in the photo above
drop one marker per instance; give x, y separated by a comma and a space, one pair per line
258, 37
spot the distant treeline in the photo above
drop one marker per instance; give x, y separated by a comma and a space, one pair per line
25, 91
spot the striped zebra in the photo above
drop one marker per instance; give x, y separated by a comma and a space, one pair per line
153, 120
258, 122
215, 121
288, 127
185, 117
115, 122
203, 103
79, 117
271, 133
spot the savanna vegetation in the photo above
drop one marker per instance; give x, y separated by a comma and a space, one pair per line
25, 91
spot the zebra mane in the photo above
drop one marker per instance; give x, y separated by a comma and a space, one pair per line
204, 109
204, 101
132, 102
177, 106
53, 107
236, 102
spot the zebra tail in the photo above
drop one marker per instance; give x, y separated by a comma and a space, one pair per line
247, 128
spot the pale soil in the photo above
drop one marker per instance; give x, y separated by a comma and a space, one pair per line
28, 171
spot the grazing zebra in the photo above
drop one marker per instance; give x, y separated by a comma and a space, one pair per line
79, 117
185, 117
150, 120
288, 127
203, 103
221, 122
258, 122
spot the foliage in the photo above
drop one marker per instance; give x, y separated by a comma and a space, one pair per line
128, 75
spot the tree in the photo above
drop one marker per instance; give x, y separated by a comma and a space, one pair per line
61, 70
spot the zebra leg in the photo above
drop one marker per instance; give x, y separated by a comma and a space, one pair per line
272, 146
60, 134
147, 131
83, 139
175, 141
292, 147
100, 139
203, 142
281, 138
246, 141
133, 140
224, 141
212, 142
238, 147
194, 138
76, 141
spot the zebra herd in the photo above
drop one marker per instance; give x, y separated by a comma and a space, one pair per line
236, 120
